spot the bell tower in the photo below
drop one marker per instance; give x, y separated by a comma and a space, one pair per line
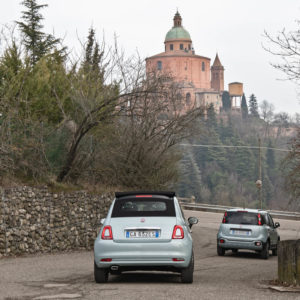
177, 20
217, 75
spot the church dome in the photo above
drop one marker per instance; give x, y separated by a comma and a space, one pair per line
177, 32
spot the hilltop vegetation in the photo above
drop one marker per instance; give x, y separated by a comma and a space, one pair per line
220, 173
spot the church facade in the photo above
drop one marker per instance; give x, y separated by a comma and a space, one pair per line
202, 83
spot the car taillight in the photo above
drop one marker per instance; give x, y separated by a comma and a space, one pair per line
106, 259
178, 232
107, 233
224, 218
259, 219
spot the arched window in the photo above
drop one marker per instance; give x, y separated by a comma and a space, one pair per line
188, 98
203, 66
159, 65
178, 96
181, 46
171, 47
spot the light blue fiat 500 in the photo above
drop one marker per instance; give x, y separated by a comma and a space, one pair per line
144, 231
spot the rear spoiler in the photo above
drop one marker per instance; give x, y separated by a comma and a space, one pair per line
161, 193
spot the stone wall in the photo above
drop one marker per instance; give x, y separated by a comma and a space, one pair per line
35, 220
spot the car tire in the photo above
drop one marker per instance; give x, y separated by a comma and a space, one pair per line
100, 274
220, 251
265, 251
187, 274
235, 251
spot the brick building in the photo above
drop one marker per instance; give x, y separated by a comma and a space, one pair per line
202, 84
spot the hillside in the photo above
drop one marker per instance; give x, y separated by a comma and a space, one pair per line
226, 174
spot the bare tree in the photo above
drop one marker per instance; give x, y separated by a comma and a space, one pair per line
124, 89
292, 167
282, 122
141, 151
267, 113
286, 45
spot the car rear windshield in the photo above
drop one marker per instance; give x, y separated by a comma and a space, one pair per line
240, 217
137, 207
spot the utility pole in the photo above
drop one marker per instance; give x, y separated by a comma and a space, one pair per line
259, 181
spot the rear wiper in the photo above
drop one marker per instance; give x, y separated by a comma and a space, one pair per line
246, 223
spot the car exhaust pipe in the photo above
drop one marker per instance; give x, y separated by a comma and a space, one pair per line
114, 268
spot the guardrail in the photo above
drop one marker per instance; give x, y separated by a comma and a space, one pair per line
222, 208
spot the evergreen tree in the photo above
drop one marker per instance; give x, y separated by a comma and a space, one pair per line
226, 101
244, 107
92, 57
226, 131
89, 48
10, 66
292, 167
211, 117
253, 107
270, 159
244, 162
267, 191
36, 42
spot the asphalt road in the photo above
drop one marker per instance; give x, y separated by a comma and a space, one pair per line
70, 275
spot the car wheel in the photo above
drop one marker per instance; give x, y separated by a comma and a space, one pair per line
220, 251
100, 275
265, 251
188, 273
274, 251
235, 251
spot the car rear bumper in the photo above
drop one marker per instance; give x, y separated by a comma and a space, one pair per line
240, 244
148, 255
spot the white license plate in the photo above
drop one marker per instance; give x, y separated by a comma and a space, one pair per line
142, 234
240, 232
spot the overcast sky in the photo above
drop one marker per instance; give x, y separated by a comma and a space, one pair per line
233, 28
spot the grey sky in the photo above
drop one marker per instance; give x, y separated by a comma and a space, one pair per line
233, 28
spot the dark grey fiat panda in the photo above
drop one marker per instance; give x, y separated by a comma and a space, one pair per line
249, 229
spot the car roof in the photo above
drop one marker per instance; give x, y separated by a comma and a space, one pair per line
251, 210
168, 194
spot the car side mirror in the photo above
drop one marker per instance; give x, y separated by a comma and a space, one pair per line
192, 221
102, 221
276, 225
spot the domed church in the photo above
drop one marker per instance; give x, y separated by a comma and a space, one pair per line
202, 83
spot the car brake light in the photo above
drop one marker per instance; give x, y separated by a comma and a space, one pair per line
107, 233
178, 232
143, 196
222, 241
224, 218
106, 259
259, 219
178, 259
